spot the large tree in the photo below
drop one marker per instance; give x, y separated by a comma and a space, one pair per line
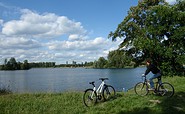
154, 29
118, 59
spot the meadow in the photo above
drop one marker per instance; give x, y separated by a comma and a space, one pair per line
71, 102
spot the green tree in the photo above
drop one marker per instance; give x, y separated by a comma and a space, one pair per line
12, 64
25, 65
101, 63
154, 29
118, 59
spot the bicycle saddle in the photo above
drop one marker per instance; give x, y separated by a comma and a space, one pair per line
103, 79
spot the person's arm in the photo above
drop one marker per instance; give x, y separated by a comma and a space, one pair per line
148, 70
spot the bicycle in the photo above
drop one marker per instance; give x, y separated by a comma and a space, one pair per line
163, 89
104, 91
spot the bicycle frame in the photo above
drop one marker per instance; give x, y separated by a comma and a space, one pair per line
156, 85
146, 82
100, 88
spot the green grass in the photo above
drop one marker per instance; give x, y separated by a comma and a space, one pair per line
71, 103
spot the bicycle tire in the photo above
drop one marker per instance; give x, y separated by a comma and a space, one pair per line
89, 97
141, 89
108, 92
166, 89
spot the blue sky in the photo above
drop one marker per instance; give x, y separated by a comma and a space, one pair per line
59, 30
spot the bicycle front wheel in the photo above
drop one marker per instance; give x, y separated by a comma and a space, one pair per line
108, 92
89, 97
166, 89
141, 89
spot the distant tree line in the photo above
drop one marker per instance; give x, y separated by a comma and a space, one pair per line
12, 64
42, 64
115, 59
75, 64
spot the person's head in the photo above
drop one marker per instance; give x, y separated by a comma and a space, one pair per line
148, 61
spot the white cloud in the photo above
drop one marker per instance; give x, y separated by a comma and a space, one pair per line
27, 38
87, 50
73, 37
94, 44
42, 25
77, 37
18, 43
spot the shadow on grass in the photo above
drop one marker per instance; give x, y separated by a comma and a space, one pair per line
138, 111
110, 99
175, 104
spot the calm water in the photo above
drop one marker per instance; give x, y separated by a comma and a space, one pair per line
67, 79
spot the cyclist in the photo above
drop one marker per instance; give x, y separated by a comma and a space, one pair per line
157, 73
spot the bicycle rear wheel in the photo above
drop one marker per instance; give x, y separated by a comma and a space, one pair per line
89, 97
166, 89
141, 89
108, 92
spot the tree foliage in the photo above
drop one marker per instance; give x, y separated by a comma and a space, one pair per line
101, 63
154, 29
115, 59
118, 59
12, 64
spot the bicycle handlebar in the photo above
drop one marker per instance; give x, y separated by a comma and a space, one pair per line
143, 76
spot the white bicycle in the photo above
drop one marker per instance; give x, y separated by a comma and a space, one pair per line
104, 91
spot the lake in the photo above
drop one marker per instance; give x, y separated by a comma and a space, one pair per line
67, 79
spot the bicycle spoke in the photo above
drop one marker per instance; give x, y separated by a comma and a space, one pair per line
166, 89
89, 97
141, 89
108, 92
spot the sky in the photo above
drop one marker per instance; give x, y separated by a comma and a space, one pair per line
60, 30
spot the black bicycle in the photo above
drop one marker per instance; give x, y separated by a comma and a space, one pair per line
164, 89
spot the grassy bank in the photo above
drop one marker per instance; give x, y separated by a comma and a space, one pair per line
71, 103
